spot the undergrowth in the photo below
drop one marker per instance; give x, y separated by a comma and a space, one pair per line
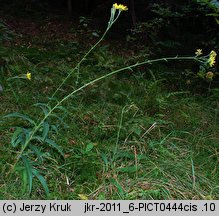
137, 135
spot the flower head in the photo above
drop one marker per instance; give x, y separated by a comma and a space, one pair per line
120, 7
28, 75
198, 52
212, 58
188, 82
209, 75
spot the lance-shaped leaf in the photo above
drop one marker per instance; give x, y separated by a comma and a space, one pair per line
45, 108
17, 137
54, 145
45, 129
28, 169
22, 116
37, 152
50, 142
42, 180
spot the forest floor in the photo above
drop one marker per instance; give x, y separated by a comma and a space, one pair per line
149, 133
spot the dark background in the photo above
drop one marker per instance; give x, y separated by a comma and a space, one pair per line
170, 25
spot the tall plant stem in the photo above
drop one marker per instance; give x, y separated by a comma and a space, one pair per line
35, 129
86, 54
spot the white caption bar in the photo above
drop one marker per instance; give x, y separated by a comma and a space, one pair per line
93, 208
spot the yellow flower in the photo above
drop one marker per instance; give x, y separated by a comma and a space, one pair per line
209, 75
120, 7
212, 58
28, 75
198, 52
83, 197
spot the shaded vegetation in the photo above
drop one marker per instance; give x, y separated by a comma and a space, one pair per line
147, 133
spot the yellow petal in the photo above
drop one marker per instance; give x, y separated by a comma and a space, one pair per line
28, 75
120, 7
198, 52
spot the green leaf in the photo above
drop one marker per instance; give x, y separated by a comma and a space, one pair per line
28, 169
36, 151
50, 142
45, 108
124, 155
89, 147
130, 169
101, 196
54, 128
45, 130
38, 138
54, 145
103, 156
17, 137
213, 14
24, 180
62, 108
22, 116
60, 119
118, 186
42, 181
27, 133
137, 130
20, 136
19, 169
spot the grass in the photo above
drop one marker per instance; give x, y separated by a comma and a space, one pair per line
136, 135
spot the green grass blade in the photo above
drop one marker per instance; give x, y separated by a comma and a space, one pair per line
104, 158
130, 169
118, 186
193, 174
